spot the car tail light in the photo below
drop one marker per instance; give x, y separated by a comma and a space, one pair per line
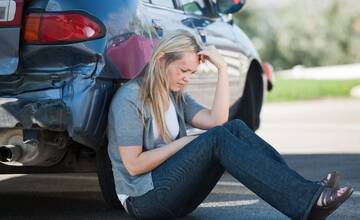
11, 12
48, 28
269, 73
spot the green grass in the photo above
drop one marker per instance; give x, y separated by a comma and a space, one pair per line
302, 89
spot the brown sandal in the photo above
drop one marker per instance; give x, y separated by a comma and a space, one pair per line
331, 180
330, 201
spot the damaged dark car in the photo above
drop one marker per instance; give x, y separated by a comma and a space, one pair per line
62, 60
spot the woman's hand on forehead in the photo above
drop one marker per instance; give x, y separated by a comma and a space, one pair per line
211, 54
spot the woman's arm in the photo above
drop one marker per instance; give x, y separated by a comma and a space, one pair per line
137, 161
219, 112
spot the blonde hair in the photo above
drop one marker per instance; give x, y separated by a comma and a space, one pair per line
154, 90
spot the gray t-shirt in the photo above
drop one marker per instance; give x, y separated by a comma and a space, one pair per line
126, 128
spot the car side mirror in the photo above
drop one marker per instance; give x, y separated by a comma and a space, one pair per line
229, 6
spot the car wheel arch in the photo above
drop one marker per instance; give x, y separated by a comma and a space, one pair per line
248, 106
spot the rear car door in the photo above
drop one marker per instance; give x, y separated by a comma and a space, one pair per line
10, 22
166, 16
213, 30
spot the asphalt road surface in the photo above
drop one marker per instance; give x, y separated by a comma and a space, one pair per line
316, 136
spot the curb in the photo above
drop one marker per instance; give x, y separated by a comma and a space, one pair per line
339, 72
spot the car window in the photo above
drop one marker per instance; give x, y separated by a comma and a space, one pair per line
197, 7
165, 3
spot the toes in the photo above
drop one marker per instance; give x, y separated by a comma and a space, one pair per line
342, 190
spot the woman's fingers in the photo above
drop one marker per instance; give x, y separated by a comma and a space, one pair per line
205, 54
212, 54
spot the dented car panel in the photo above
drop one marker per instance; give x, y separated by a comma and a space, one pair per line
77, 76
9, 50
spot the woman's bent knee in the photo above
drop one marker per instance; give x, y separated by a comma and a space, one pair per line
218, 130
238, 122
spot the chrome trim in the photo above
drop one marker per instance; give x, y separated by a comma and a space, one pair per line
8, 10
163, 8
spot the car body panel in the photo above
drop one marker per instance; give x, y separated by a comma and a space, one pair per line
9, 50
10, 21
215, 31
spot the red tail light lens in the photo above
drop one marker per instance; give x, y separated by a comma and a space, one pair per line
268, 71
61, 28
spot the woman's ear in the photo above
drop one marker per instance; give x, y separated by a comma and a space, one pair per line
160, 57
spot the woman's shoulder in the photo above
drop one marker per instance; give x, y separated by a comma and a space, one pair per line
128, 91
128, 97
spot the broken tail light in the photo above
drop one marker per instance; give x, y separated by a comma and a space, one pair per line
69, 27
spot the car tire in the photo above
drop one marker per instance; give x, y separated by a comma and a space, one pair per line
106, 179
248, 107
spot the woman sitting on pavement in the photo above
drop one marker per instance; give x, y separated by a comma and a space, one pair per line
161, 173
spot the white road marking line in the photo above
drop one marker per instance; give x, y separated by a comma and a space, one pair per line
49, 176
226, 183
67, 177
356, 194
228, 203
10, 176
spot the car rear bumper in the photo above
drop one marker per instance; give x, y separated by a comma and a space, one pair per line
24, 113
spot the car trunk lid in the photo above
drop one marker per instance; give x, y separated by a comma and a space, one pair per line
10, 25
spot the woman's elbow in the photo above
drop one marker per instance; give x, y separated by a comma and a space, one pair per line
131, 161
133, 173
132, 170
220, 121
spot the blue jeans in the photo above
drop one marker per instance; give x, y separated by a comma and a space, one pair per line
183, 181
